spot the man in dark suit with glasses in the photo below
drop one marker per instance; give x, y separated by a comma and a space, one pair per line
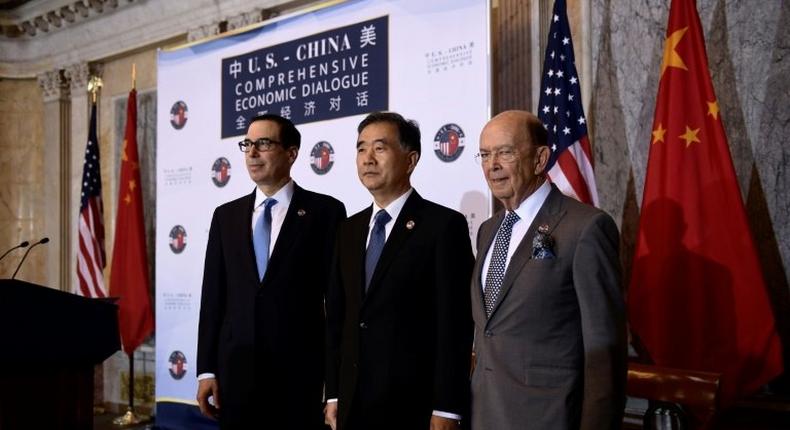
261, 334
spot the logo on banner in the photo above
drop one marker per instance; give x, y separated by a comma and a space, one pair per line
220, 172
450, 58
178, 365
449, 142
322, 157
178, 239
178, 115
177, 175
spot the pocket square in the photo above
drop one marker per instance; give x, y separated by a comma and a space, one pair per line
543, 244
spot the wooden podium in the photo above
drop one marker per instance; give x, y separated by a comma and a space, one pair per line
51, 342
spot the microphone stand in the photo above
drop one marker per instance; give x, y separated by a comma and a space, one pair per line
21, 245
42, 241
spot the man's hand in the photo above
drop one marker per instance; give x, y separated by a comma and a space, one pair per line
330, 415
208, 388
442, 423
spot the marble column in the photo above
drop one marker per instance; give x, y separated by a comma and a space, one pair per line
512, 51
57, 135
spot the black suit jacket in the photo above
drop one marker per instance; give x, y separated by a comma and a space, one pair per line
265, 340
401, 350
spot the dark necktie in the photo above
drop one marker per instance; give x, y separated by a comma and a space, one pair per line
376, 244
496, 268
261, 237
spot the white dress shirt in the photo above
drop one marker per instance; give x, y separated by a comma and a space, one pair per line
393, 209
283, 197
526, 211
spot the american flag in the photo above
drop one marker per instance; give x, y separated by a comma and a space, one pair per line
91, 257
449, 146
560, 108
222, 175
323, 158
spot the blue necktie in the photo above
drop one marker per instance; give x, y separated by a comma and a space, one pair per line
376, 244
262, 235
496, 268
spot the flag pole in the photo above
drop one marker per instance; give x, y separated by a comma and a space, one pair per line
130, 417
94, 84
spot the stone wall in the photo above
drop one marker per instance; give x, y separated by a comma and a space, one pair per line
23, 157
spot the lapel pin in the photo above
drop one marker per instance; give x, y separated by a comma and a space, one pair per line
301, 212
544, 228
410, 225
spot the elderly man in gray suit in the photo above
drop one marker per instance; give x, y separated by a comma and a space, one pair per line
550, 336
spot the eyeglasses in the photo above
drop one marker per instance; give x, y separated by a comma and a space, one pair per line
262, 144
505, 155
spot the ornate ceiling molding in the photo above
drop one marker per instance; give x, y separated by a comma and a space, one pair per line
54, 85
79, 74
54, 34
40, 17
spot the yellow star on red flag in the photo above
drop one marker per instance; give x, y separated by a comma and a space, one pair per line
690, 136
671, 57
713, 109
658, 134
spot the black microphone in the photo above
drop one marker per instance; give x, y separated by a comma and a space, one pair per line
42, 241
21, 245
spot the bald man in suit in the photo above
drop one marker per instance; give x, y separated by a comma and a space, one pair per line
550, 336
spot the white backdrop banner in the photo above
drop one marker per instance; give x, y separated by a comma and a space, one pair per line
325, 70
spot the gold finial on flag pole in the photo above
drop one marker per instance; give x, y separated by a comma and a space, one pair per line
134, 76
94, 84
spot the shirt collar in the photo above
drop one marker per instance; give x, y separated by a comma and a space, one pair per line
394, 208
283, 195
528, 209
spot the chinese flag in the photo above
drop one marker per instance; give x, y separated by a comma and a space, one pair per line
129, 276
697, 298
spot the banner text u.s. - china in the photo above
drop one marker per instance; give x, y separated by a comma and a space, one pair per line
333, 74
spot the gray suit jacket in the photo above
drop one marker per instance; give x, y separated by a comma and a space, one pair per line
553, 353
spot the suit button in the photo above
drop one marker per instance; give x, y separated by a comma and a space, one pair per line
363, 325
489, 333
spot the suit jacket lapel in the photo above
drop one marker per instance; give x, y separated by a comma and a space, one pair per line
291, 230
398, 236
243, 222
359, 234
549, 214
